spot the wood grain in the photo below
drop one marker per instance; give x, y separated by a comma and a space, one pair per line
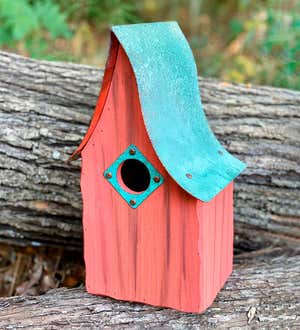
215, 244
259, 295
165, 252
45, 109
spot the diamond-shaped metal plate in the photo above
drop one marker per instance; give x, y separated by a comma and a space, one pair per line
133, 199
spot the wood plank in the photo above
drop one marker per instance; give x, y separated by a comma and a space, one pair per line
133, 241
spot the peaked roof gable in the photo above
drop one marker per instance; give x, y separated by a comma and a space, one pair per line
167, 81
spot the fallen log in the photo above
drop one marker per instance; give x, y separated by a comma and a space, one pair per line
45, 108
259, 295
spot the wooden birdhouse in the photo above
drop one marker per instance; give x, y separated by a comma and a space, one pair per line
157, 186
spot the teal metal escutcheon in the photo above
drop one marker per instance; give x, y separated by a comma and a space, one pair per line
114, 176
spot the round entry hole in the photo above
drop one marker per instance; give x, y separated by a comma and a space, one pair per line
135, 175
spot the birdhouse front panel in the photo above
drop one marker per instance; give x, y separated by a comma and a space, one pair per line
156, 184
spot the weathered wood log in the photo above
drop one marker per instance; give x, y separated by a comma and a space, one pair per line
46, 107
260, 295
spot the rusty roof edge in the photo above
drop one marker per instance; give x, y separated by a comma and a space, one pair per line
105, 86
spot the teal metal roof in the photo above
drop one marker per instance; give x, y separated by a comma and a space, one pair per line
167, 82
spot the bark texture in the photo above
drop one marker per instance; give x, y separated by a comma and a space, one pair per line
45, 109
259, 295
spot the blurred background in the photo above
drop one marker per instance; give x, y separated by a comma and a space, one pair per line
241, 41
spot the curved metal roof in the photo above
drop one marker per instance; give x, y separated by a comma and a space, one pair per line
167, 81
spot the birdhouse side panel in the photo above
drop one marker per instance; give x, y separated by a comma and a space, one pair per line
215, 244
150, 253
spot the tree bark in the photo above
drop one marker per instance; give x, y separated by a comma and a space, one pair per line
45, 109
259, 295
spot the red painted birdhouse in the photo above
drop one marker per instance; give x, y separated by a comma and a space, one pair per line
157, 186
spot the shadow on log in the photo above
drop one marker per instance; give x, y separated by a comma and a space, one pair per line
45, 109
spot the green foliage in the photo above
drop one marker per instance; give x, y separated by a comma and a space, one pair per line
17, 21
102, 13
31, 24
236, 40
253, 42
282, 41
235, 27
51, 19
112, 11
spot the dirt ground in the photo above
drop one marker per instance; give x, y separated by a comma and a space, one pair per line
34, 271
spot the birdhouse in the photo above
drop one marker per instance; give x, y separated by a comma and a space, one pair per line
157, 186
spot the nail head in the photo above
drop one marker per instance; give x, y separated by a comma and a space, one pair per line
108, 175
156, 179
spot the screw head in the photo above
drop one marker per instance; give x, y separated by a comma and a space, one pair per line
132, 151
132, 202
156, 179
108, 175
